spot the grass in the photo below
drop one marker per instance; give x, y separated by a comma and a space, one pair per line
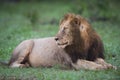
20, 21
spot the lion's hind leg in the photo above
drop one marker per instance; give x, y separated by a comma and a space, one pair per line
20, 55
103, 63
88, 65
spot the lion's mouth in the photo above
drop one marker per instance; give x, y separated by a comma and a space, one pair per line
62, 45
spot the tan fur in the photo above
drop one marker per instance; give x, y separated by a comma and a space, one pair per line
39, 53
69, 48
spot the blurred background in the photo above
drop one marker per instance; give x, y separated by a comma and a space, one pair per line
26, 19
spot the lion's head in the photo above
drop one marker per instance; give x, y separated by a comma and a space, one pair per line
71, 30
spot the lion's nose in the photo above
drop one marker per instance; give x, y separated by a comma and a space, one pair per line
56, 38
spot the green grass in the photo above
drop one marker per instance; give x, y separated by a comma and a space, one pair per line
20, 21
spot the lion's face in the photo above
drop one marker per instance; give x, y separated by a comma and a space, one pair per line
68, 32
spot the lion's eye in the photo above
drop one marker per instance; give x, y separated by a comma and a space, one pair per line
62, 30
65, 28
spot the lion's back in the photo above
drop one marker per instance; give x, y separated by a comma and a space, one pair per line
43, 52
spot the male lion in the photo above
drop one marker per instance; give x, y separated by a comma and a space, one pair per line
76, 46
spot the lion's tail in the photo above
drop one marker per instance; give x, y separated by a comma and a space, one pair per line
5, 63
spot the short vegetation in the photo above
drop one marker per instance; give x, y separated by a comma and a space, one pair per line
25, 20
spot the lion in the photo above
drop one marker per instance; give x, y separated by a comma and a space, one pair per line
76, 46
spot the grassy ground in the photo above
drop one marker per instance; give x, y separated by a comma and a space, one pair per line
20, 21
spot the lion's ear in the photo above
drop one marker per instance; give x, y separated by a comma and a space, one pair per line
75, 21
